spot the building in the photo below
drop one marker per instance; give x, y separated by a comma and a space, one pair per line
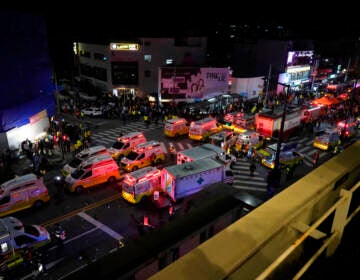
130, 69
26, 87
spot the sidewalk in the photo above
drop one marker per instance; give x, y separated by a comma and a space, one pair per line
23, 165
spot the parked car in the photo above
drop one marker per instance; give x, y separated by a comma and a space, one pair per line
92, 111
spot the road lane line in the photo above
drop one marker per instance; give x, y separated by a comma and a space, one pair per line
101, 226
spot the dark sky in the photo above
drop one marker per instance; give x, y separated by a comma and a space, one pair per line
99, 20
305, 17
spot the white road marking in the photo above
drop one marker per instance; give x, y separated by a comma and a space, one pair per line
101, 226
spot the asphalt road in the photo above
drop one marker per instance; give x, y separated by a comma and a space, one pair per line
98, 219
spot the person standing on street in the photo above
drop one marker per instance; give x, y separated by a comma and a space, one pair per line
252, 169
315, 159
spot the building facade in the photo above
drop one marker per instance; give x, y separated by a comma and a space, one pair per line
131, 69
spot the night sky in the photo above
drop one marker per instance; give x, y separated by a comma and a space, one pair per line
106, 20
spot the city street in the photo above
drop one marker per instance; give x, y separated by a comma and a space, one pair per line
100, 221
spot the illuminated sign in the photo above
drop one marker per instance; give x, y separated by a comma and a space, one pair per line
298, 69
124, 46
296, 58
38, 117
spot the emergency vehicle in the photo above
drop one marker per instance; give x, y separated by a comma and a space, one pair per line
92, 172
140, 184
269, 123
205, 151
202, 129
311, 113
243, 123
16, 238
326, 139
82, 156
230, 118
145, 154
347, 128
126, 143
21, 193
176, 127
249, 139
224, 139
288, 156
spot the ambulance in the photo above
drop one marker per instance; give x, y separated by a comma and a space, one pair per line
141, 184
224, 139
176, 127
126, 143
202, 129
21, 193
92, 172
143, 155
82, 156
347, 128
326, 139
249, 139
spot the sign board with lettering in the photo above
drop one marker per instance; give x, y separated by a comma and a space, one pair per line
192, 82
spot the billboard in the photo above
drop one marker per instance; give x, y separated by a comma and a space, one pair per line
298, 58
248, 88
192, 82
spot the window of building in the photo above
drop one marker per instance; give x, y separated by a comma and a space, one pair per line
147, 57
147, 43
124, 73
100, 56
169, 61
100, 73
85, 53
86, 70
147, 73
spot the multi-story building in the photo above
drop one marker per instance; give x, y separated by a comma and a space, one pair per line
131, 68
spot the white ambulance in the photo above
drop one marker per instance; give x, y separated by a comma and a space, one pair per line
92, 172
141, 184
144, 154
126, 143
202, 129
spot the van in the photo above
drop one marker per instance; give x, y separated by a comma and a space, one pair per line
224, 139
249, 139
92, 172
145, 154
140, 184
176, 127
22, 192
202, 129
82, 156
126, 143
326, 139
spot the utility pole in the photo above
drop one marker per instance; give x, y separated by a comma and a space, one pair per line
267, 87
276, 174
347, 70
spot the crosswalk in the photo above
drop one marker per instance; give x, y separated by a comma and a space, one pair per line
241, 171
108, 137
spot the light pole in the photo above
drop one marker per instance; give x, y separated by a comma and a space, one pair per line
276, 172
